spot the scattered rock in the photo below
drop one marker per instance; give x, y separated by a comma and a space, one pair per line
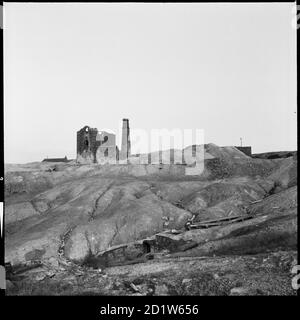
239, 291
50, 273
40, 276
9, 285
186, 281
53, 262
133, 286
161, 290
70, 278
144, 289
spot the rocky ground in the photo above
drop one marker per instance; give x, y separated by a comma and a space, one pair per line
152, 230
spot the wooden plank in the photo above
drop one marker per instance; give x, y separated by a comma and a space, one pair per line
219, 222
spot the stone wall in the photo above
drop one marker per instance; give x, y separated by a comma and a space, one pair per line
96, 147
87, 144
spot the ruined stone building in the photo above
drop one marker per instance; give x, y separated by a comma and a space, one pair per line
95, 146
246, 150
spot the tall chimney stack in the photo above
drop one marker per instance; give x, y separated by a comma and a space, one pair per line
125, 147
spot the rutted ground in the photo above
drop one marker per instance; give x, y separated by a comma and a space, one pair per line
67, 216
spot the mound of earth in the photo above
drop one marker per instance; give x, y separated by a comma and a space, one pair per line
275, 155
220, 162
285, 175
188, 154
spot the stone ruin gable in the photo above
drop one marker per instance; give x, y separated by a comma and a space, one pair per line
96, 147
107, 151
87, 145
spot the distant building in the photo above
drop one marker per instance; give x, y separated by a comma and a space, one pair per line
95, 146
247, 150
87, 144
65, 159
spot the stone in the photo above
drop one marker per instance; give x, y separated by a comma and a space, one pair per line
161, 290
53, 262
144, 289
50, 273
70, 278
186, 281
239, 291
40, 277
133, 286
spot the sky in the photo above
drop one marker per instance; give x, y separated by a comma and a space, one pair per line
229, 69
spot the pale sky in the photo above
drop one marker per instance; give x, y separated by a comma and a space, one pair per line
229, 69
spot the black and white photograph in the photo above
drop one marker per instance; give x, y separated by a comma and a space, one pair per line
150, 149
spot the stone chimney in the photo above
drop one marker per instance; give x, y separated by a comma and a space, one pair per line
125, 147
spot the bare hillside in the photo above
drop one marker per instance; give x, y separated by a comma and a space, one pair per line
67, 221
